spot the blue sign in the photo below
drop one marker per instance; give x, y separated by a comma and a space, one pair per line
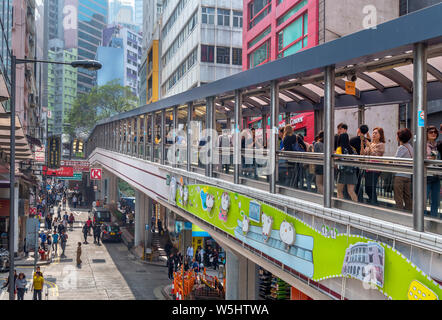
421, 119
147, 227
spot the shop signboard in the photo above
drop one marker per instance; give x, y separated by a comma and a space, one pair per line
54, 152
77, 176
78, 165
32, 230
318, 252
60, 172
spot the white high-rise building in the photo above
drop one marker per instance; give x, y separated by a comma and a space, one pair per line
201, 41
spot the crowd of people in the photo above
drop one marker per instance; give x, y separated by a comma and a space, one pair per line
196, 261
348, 178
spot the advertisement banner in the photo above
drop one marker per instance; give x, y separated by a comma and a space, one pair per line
61, 172
79, 166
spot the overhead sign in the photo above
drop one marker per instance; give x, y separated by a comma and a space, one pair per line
40, 155
350, 87
54, 152
78, 176
95, 174
61, 172
79, 166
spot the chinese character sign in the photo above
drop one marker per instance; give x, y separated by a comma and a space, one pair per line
54, 152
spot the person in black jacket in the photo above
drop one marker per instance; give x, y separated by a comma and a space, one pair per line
291, 142
170, 266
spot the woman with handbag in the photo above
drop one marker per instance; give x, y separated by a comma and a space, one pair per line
375, 148
433, 182
346, 174
402, 181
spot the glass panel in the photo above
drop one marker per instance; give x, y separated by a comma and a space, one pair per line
181, 140
223, 155
149, 137
292, 12
259, 55
157, 137
141, 135
169, 137
198, 134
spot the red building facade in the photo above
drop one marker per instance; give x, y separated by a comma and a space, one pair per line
273, 29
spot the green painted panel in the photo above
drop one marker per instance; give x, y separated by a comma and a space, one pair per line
318, 254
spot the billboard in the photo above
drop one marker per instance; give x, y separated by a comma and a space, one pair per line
70, 23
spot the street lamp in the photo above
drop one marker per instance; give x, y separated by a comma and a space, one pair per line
86, 64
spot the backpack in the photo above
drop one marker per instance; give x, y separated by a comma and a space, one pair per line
348, 169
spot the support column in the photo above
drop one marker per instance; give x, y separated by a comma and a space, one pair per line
361, 115
274, 124
138, 209
174, 135
145, 133
149, 209
163, 135
237, 136
152, 136
232, 276
329, 104
189, 136
420, 116
210, 115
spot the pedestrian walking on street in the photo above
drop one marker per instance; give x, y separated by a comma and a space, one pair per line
6, 284
79, 255
85, 233
97, 233
63, 241
49, 242
74, 201
20, 285
55, 237
71, 221
43, 238
170, 266
37, 284
153, 223
160, 227
59, 212
89, 225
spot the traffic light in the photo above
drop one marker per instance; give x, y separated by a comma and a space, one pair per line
80, 146
75, 145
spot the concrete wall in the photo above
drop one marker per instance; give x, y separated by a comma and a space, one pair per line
344, 17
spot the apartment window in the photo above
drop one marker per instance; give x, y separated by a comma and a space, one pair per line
258, 38
208, 15
237, 56
258, 9
237, 19
292, 12
260, 55
223, 55
223, 17
207, 53
293, 37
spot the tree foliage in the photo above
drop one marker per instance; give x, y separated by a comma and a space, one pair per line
101, 103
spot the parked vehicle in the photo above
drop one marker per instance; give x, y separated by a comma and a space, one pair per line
102, 216
111, 233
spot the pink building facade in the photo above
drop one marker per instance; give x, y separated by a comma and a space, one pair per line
273, 29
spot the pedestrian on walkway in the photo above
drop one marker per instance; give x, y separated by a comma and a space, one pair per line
20, 285
59, 212
55, 237
160, 227
170, 266
37, 284
65, 216
153, 223
71, 221
97, 233
64, 202
74, 201
89, 225
6, 284
43, 238
49, 241
79, 255
85, 233
63, 239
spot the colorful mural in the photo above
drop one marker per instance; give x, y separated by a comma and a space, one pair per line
317, 254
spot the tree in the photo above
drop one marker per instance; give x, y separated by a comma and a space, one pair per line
101, 103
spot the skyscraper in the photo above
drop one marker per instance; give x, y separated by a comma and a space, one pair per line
92, 19
139, 12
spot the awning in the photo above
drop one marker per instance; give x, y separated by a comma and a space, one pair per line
22, 149
4, 94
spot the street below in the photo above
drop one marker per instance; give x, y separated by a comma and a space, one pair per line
108, 272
